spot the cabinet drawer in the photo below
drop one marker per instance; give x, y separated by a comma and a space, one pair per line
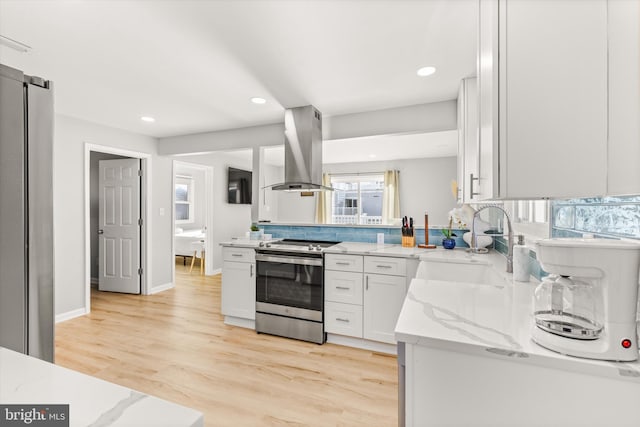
343, 286
343, 319
385, 265
343, 262
238, 254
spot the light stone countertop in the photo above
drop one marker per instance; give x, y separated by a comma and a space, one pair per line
391, 250
489, 321
245, 243
355, 248
26, 380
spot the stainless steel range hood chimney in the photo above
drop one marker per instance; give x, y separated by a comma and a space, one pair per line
302, 150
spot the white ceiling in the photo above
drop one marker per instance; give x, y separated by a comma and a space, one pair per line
194, 65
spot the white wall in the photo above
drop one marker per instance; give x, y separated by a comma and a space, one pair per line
229, 220
268, 200
94, 206
70, 137
425, 185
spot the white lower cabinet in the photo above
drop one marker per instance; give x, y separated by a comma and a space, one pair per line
343, 319
239, 283
383, 298
343, 286
343, 295
364, 295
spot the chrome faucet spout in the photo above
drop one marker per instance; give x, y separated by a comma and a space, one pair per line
474, 238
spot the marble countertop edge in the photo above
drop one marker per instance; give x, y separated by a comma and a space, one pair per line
437, 315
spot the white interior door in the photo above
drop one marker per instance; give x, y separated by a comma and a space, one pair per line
119, 228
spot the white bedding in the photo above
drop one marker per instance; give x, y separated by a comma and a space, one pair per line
188, 242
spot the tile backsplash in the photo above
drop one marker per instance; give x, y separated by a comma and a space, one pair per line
360, 233
608, 217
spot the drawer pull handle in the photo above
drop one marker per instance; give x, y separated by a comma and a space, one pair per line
342, 263
367, 283
383, 266
340, 319
236, 254
344, 288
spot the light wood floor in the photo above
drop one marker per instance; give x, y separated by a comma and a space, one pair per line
174, 345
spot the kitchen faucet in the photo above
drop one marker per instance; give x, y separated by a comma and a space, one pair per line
474, 238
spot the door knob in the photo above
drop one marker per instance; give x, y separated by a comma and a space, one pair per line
100, 231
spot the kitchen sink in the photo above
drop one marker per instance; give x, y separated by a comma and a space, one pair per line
460, 267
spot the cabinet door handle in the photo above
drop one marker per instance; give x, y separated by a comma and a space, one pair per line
251, 270
340, 319
236, 254
383, 266
343, 288
366, 280
342, 263
471, 179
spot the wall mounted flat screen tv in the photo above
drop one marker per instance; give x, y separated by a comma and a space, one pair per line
239, 187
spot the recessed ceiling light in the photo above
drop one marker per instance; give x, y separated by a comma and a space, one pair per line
257, 100
372, 156
426, 71
147, 119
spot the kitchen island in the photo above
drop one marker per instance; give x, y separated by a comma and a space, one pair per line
25, 381
470, 360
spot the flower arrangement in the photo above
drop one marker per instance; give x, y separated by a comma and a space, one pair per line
448, 233
254, 227
458, 216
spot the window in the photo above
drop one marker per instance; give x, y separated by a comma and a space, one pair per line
530, 217
357, 199
184, 200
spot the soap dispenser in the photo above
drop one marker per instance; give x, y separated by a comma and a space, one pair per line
520, 261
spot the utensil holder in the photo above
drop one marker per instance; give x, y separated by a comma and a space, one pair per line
408, 241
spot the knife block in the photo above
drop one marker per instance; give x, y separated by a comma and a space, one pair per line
408, 241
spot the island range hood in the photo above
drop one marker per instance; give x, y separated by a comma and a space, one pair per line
302, 151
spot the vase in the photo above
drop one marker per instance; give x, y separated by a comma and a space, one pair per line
449, 243
255, 235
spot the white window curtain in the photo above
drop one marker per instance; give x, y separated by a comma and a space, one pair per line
391, 196
323, 202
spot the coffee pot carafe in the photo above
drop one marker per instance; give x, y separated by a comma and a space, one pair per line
587, 306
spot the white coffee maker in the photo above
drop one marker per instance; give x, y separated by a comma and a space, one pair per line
587, 306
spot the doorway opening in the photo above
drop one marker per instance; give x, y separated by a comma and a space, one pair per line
93, 155
192, 215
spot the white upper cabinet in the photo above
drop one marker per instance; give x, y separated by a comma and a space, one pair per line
468, 140
542, 79
624, 97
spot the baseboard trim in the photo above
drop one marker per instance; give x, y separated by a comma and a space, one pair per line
216, 271
379, 347
70, 315
161, 288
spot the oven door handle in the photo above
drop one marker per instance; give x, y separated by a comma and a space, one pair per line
289, 260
